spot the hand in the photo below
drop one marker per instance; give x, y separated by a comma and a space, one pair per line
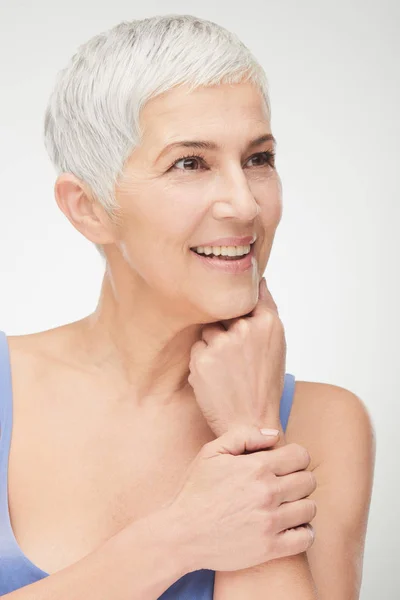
238, 373
236, 510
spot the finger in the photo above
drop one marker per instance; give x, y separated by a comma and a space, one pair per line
265, 299
227, 323
211, 330
293, 514
283, 460
294, 541
240, 439
265, 303
263, 288
295, 486
197, 348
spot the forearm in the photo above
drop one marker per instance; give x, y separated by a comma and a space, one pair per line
281, 579
141, 561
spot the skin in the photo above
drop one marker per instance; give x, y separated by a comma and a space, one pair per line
156, 294
157, 297
127, 363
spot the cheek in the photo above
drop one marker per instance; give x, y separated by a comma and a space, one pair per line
274, 214
157, 237
270, 201
179, 220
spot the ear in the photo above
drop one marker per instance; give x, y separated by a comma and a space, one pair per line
78, 204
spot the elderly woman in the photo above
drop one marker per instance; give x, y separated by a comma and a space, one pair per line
140, 465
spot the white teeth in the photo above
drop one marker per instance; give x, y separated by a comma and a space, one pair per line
223, 250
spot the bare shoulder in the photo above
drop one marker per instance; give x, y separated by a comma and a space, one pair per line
326, 419
34, 356
43, 345
27, 353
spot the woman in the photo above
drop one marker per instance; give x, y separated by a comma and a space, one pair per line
137, 467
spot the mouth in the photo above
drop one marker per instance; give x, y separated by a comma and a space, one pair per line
229, 264
224, 256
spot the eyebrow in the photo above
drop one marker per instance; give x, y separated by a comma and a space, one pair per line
209, 145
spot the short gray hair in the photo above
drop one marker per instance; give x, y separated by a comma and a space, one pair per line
91, 123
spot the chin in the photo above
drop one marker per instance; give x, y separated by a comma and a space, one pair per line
231, 309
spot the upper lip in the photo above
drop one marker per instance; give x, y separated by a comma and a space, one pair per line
230, 241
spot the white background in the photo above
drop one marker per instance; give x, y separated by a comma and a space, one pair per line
333, 70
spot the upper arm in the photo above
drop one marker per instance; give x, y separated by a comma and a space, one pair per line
344, 468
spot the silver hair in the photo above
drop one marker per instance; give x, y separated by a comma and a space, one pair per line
91, 123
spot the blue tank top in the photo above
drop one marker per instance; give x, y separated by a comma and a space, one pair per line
16, 570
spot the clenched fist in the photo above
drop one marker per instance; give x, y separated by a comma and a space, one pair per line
238, 373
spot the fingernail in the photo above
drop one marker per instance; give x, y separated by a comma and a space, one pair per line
311, 530
269, 431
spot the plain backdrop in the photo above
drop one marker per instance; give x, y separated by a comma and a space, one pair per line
333, 71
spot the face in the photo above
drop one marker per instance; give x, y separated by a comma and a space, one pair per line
171, 204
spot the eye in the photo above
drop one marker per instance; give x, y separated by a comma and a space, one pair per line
267, 155
189, 158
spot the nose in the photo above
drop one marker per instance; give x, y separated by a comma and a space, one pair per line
234, 199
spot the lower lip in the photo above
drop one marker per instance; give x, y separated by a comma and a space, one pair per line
229, 266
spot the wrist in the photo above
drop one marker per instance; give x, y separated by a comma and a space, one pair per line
182, 538
176, 537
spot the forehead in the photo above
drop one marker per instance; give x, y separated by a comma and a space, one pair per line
224, 107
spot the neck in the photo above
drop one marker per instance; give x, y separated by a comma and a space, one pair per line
143, 342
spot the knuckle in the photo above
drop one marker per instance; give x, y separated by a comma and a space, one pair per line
304, 454
278, 489
311, 509
272, 321
258, 464
306, 539
300, 452
290, 449
269, 495
278, 322
267, 318
241, 326
200, 361
268, 524
260, 467
313, 480
242, 432
307, 456
218, 343
314, 509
